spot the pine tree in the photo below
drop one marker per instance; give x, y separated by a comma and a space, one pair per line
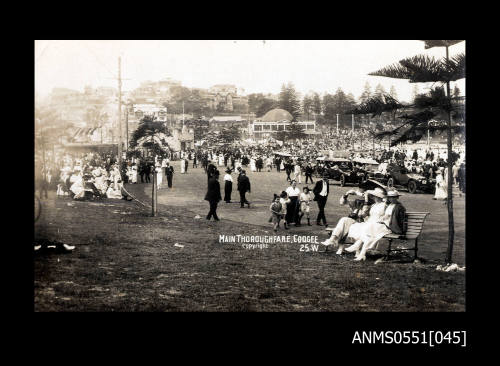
289, 100
425, 69
415, 92
367, 93
393, 93
316, 103
379, 91
307, 105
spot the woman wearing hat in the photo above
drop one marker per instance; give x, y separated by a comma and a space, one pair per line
392, 220
360, 210
371, 212
441, 186
228, 186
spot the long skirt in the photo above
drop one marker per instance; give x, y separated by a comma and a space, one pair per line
228, 188
292, 209
441, 192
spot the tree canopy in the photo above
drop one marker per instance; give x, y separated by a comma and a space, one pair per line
150, 134
260, 104
289, 100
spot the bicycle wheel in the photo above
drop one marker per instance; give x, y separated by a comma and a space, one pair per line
38, 208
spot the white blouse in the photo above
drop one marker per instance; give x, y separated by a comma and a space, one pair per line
228, 177
293, 192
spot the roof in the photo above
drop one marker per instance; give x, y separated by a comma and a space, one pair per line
276, 114
226, 118
334, 159
365, 161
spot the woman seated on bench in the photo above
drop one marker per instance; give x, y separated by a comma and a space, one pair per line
350, 228
392, 220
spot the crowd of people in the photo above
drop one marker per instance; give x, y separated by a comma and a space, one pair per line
97, 175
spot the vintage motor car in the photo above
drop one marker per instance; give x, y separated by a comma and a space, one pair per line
398, 176
341, 170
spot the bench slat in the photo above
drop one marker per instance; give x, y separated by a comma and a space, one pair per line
414, 227
415, 223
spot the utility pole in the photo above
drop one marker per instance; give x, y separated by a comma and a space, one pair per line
119, 113
352, 132
451, 224
428, 136
337, 124
360, 133
126, 127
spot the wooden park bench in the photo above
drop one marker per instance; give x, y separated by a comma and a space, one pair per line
415, 223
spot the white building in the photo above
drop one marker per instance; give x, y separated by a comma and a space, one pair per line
278, 120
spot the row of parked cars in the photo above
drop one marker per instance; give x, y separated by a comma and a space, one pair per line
347, 171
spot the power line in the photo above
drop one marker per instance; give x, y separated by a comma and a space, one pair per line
98, 60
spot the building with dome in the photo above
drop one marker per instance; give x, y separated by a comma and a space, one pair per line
277, 120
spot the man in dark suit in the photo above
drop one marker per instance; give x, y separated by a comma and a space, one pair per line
147, 171
288, 170
243, 187
211, 169
309, 172
169, 172
213, 195
321, 191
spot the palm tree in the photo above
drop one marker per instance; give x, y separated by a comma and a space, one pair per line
423, 69
150, 134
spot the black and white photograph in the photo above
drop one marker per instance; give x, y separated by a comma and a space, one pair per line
249, 176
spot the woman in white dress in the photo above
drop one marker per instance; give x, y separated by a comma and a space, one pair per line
183, 166
357, 230
77, 186
221, 160
134, 174
159, 175
441, 186
253, 167
269, 164
374, 230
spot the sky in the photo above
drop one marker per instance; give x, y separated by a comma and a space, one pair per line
257, 66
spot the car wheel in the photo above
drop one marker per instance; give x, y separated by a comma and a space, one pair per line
342, 180
390, 182
412, 186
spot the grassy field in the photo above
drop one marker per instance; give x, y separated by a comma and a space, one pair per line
126, 260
